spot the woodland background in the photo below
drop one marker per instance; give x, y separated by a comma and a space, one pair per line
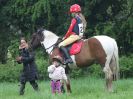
104, 17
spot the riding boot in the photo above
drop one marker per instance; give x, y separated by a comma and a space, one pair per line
66, 54
34, 85
22, 87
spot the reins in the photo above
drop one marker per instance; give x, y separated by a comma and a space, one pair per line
50, 46
54, 45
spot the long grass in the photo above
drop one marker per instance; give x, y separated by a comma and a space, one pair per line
82, 88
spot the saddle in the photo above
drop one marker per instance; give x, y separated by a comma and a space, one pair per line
69, 50
75, 47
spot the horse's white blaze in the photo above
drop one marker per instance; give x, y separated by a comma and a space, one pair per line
50, 39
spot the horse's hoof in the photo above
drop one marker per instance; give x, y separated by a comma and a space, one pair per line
111, 91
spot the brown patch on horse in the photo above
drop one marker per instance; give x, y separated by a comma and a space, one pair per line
55, 52
91, 51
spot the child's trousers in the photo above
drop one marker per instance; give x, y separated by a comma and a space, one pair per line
56, 86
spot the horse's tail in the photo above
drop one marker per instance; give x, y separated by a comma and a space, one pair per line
116, 56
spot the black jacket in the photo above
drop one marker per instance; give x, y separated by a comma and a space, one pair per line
29, 72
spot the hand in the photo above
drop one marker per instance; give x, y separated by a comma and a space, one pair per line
23, 46
19, 58
63, 38
20, 47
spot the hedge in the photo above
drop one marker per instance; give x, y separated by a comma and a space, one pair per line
11, 71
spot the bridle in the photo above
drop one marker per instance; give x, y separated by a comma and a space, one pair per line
54, 46
50, 46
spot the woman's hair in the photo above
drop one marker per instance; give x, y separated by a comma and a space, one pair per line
83, 20
23, 38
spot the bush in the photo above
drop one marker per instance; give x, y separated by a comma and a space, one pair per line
93, 70
11, 71
126, 66
42, 65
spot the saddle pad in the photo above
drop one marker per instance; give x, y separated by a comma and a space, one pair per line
76, 47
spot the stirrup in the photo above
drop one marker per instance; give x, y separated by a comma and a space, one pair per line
67, 61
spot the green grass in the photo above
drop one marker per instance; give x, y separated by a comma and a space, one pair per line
82, 88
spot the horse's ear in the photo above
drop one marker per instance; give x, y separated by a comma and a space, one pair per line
39, 31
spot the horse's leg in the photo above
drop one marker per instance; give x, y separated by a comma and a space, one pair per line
105, 62
67, 70
109, 83
108, 74
68, 84
113, 67
107, 69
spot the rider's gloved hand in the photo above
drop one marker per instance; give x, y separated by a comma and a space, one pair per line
63, 38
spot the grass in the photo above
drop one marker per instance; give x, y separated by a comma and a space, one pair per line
82, 88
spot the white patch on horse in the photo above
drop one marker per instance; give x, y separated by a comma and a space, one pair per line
74, 65
50, 39
106, 43
108, 46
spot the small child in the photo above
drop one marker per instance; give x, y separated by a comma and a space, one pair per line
57, 74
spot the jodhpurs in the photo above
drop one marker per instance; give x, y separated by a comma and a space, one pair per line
69, 40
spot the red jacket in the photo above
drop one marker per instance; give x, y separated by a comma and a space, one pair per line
70, 30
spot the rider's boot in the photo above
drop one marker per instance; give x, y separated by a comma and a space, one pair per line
66, 54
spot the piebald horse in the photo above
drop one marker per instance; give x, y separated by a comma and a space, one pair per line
101, 49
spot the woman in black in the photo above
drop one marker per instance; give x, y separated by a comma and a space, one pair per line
29, 72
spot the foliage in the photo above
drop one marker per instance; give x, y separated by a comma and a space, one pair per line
94, 70
23, 17
11, 71
113, 18
126, 66
42, 64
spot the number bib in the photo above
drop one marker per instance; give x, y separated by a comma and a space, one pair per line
81, 29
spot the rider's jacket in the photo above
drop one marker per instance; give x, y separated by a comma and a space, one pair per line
76, 27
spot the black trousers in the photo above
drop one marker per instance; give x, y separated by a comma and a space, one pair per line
33, 83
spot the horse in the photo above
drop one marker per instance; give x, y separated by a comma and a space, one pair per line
101, 49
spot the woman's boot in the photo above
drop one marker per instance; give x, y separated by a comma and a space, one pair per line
22, 87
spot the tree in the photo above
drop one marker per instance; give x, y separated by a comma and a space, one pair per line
23, 17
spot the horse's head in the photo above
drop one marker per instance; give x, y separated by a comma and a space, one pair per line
44, 37
36, 39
